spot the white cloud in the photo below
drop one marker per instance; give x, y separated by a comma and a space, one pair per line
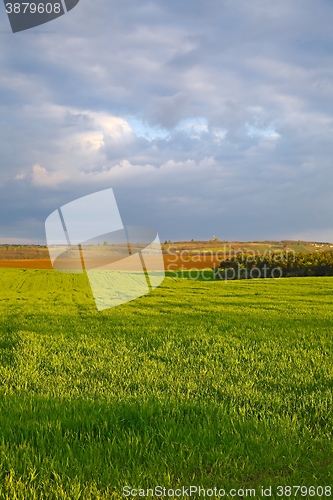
42, 177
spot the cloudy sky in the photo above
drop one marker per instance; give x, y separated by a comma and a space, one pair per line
206, 117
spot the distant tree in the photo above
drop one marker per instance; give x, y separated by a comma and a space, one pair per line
105, 243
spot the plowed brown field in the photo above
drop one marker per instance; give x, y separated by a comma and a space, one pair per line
171, 263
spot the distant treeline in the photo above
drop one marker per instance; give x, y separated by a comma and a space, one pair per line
284, 264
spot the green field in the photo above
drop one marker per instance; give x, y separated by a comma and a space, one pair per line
214, 384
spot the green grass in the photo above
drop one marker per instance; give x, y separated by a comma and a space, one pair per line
299, 248
225, 384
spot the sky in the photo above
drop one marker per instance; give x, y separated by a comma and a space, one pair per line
206, 117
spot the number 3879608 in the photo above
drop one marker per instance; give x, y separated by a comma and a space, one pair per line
33, 8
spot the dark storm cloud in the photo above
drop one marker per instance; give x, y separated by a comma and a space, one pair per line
207, 117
